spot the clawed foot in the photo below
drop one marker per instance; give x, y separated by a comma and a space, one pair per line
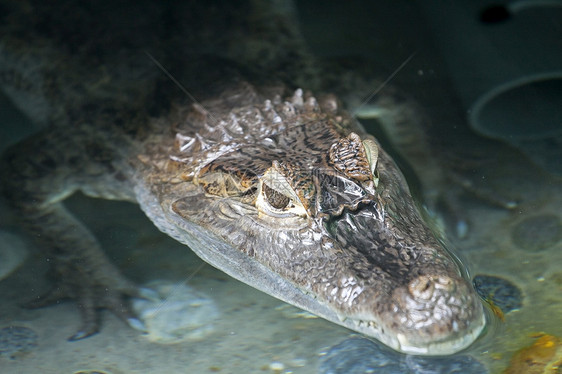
93, 297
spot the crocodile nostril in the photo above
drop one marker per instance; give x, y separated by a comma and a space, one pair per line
445, 283
422, 287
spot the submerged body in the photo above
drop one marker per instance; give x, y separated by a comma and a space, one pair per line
280, 189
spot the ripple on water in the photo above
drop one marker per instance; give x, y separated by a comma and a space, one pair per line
362, 356
537, 233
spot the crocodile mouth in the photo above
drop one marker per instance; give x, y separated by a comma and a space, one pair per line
405, 344
442, 334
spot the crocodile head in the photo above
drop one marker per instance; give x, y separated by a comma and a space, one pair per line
293, 203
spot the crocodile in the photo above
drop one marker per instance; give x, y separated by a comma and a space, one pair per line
280, 188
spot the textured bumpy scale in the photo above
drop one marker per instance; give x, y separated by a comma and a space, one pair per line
280, 189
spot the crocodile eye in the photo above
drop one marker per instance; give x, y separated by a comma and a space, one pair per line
275, 199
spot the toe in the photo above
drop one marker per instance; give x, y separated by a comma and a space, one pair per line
89, 316
53, 296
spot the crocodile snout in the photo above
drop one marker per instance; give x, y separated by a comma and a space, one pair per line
437, 313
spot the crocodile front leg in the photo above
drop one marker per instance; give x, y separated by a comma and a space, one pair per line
37, 175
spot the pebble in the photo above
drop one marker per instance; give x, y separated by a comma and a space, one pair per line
543, 357
16, 340
499, 291
176, 313
276, 366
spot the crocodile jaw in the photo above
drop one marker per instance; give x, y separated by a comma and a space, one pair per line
439, 332
401, 342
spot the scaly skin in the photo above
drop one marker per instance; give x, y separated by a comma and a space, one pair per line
277, 188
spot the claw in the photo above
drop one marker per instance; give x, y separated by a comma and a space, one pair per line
81, 334
122, 310
89, 316
137, 324
91, 301
149, 294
